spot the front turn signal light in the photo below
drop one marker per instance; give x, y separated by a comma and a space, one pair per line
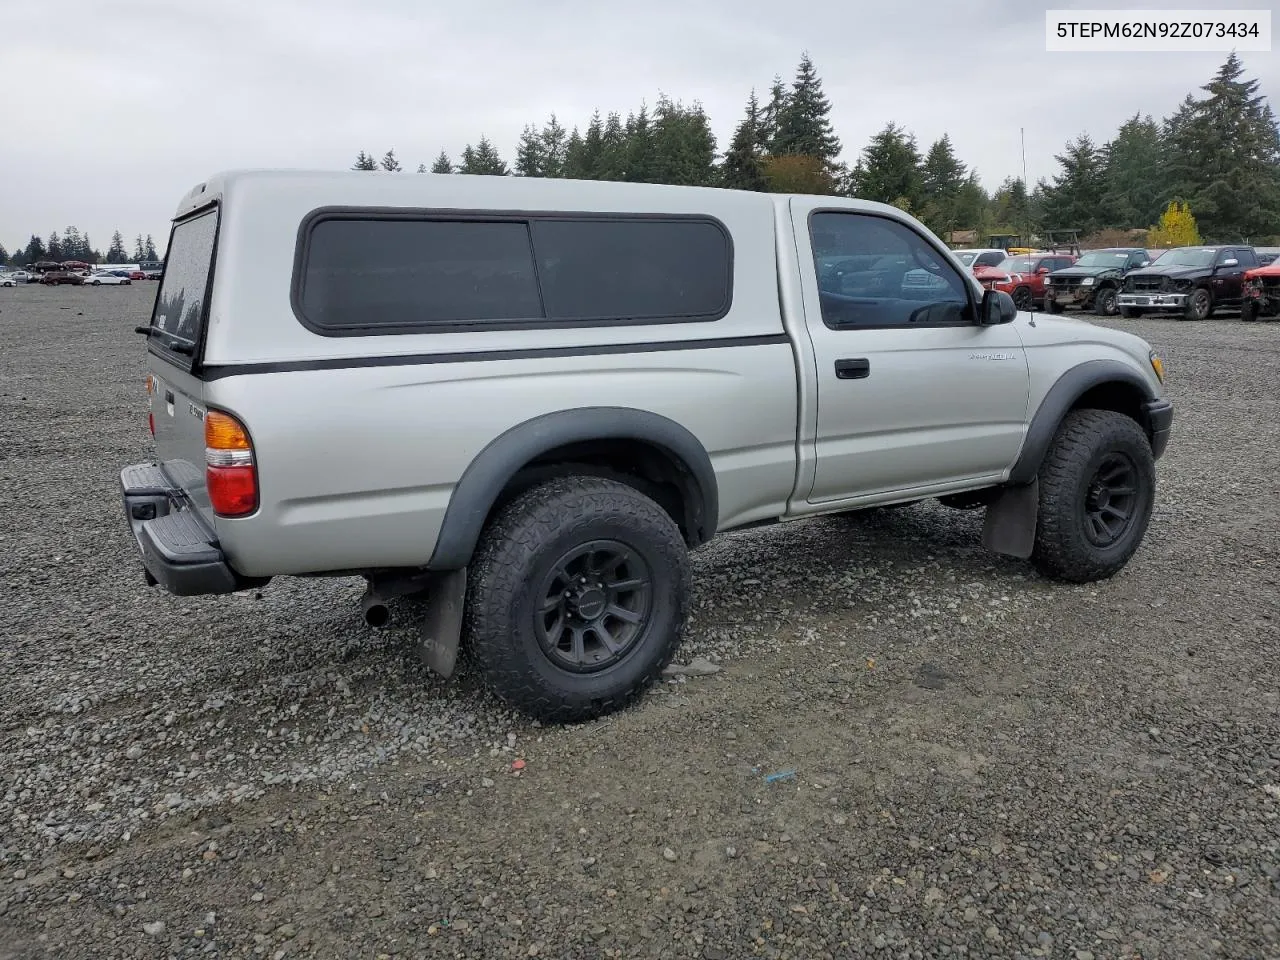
1158, 366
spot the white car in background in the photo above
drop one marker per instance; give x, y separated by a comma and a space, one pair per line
7, 280
107, 276
980, 257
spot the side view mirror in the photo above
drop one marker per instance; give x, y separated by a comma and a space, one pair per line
1230, 262
997, 307
1145, 263
1042, 271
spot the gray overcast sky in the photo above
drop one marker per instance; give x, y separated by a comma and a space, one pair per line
140, 100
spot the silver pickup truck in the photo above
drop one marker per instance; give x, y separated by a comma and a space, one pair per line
526, 400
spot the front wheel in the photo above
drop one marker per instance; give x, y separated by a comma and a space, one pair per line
1199, 304
1097, 489
1130, 313
1249, 312
1104, 303
577, 598
1022, 298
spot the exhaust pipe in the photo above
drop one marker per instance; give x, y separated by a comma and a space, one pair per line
374, 608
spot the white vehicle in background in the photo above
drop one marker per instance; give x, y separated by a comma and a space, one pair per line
7, 280
981, 257
100, 277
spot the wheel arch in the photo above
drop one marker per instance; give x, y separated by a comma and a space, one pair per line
654, 453
1100, 384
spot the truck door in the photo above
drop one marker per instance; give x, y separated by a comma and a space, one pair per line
1228, 274
912, 392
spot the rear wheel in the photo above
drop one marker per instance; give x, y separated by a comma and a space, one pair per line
1022, 298
1097, 488
1104, 304
577, 598
1199, 305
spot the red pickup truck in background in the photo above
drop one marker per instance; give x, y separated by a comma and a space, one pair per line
1022, 276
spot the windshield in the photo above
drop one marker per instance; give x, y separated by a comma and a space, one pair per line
1015, 265
1102, 258
1187, 257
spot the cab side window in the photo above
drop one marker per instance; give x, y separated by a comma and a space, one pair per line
990, 260
875, 272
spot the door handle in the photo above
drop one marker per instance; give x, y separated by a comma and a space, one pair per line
855, 369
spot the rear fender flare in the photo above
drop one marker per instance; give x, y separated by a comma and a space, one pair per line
486, 476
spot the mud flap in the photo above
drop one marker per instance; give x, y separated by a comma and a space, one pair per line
1010, 524
442, 626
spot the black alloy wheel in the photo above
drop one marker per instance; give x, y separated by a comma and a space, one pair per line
1110, 500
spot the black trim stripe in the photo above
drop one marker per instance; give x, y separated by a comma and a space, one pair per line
219, 371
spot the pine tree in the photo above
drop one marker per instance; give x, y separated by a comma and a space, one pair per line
1133, 191
1074, 199
389, 162
35, 250
54, 247
803, 121
613, 149
1177, 228
482, 159
942, 176
743, 167
574, 150
590, 161
149, 250
115, 252
554, 141
4, 255
139, 252
442, 164
684, 148
364, 162
1224, 153
796, 173
888, 170
639, 148
771, 113
529, 155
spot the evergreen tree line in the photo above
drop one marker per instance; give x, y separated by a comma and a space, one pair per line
71, 244
1218, 154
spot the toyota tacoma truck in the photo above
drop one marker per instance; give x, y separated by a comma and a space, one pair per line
524, 401
1190, 281
1093, 282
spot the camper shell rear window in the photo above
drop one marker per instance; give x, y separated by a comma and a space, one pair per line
385, 272
182, 302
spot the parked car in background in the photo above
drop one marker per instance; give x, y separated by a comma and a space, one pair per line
107, 277
1093, 281
152, 269
1022, 277
55, 278
1261, 293
981, 257
20, 276
6, 280
1192, 281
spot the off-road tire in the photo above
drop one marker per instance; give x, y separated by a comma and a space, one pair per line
1085, 441
519, 550
1249, 312
1104, 302
1199, 305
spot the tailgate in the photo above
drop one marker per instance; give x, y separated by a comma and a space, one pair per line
173, 341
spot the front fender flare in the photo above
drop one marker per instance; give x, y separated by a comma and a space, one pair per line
1069, 388
494, 466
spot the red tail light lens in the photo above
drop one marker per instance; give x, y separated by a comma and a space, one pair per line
231, 473
151, 423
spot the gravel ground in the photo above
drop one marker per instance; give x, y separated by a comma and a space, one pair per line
974, 761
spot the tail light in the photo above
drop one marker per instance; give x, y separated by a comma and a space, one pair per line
151, 417
231, 473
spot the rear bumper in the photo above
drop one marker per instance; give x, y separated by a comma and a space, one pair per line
178, 551
1160, 422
